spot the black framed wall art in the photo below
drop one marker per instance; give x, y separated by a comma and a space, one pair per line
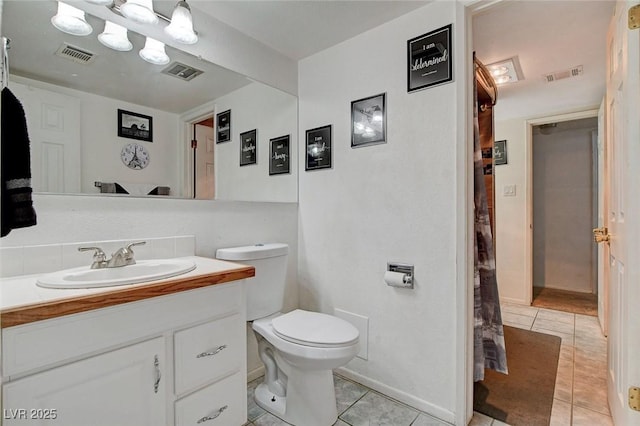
500, 152
135, 126
429, 59
279, 161
249, 147
318, 146
223, 126
369, 121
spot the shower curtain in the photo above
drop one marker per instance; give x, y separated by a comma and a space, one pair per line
489, 348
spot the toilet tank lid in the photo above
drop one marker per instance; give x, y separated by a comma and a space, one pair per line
257, 251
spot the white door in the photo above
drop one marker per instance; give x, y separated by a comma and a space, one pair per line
53, 122
204, 162
623, 138
603, 249
125, 387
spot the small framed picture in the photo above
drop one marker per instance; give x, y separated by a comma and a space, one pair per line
135, 126
249, 147
500, 152
429, 59
223, 126
318, 146
279, 156
369, 121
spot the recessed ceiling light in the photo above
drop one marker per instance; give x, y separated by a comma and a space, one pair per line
506, 71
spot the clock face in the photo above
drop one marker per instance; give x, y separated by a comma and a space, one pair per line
135, 156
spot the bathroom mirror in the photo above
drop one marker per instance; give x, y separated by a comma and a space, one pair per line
82, 100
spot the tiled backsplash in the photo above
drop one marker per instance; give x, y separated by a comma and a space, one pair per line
53, 257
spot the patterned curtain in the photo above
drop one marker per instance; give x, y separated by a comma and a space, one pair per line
489, 348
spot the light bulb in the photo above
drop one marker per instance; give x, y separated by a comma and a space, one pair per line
181, 26
71, 20
115, 37
154, 53
139, 11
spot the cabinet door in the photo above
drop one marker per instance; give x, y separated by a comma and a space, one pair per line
122, 387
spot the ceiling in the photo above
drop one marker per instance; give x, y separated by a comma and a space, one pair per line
547, 36
298, 29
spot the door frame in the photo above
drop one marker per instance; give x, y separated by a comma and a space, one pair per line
185, 130
528, 183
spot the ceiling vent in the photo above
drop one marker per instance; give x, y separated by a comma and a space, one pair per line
182, 71
560, 75
75, 54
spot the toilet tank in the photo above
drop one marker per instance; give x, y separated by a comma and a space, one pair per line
265, 291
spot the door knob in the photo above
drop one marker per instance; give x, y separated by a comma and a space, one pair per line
601, 235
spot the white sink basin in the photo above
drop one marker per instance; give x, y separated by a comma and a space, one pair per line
142, 271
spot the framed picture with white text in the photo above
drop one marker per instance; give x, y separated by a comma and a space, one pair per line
249, 147
429, 59
279, 161
318, 144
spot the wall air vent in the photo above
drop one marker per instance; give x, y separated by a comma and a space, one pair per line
75, 54
181, 71
560, 75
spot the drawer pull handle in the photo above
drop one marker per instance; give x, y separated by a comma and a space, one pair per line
215, 352
156, 365
214, 416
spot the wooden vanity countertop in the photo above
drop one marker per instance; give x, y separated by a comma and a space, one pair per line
22, 301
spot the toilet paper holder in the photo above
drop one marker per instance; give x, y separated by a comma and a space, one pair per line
401, 268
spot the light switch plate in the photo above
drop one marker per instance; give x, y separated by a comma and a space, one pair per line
509, 191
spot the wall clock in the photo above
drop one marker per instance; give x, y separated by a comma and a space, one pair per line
135, 156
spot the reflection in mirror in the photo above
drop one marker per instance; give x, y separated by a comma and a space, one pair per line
77, 92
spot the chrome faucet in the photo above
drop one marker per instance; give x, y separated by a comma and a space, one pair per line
122, 257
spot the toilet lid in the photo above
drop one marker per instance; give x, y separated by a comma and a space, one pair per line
314, 329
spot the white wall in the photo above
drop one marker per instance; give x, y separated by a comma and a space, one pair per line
273, 113
101, 145
390, 202
563, 200
216, 224
511, 213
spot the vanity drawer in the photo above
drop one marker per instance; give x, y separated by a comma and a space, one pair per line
208, 351
221, 404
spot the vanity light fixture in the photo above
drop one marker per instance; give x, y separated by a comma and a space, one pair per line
181, 26
154, 53
140, 11
71, 20
115, 37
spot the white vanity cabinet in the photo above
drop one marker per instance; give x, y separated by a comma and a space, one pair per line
166, 360
120, 387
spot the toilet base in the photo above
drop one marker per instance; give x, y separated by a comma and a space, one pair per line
309, 402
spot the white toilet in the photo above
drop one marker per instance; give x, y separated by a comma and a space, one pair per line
299, 349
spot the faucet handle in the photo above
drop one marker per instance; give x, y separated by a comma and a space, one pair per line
137, 243
99, 258
98, 253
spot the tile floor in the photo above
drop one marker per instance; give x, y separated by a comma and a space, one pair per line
580, 395
581, 384
357, 406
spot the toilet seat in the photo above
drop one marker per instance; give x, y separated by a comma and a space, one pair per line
314, 329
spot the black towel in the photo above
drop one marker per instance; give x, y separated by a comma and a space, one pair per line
17, 205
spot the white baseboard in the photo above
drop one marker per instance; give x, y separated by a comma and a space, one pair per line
419, 404
254, 374
513, 301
